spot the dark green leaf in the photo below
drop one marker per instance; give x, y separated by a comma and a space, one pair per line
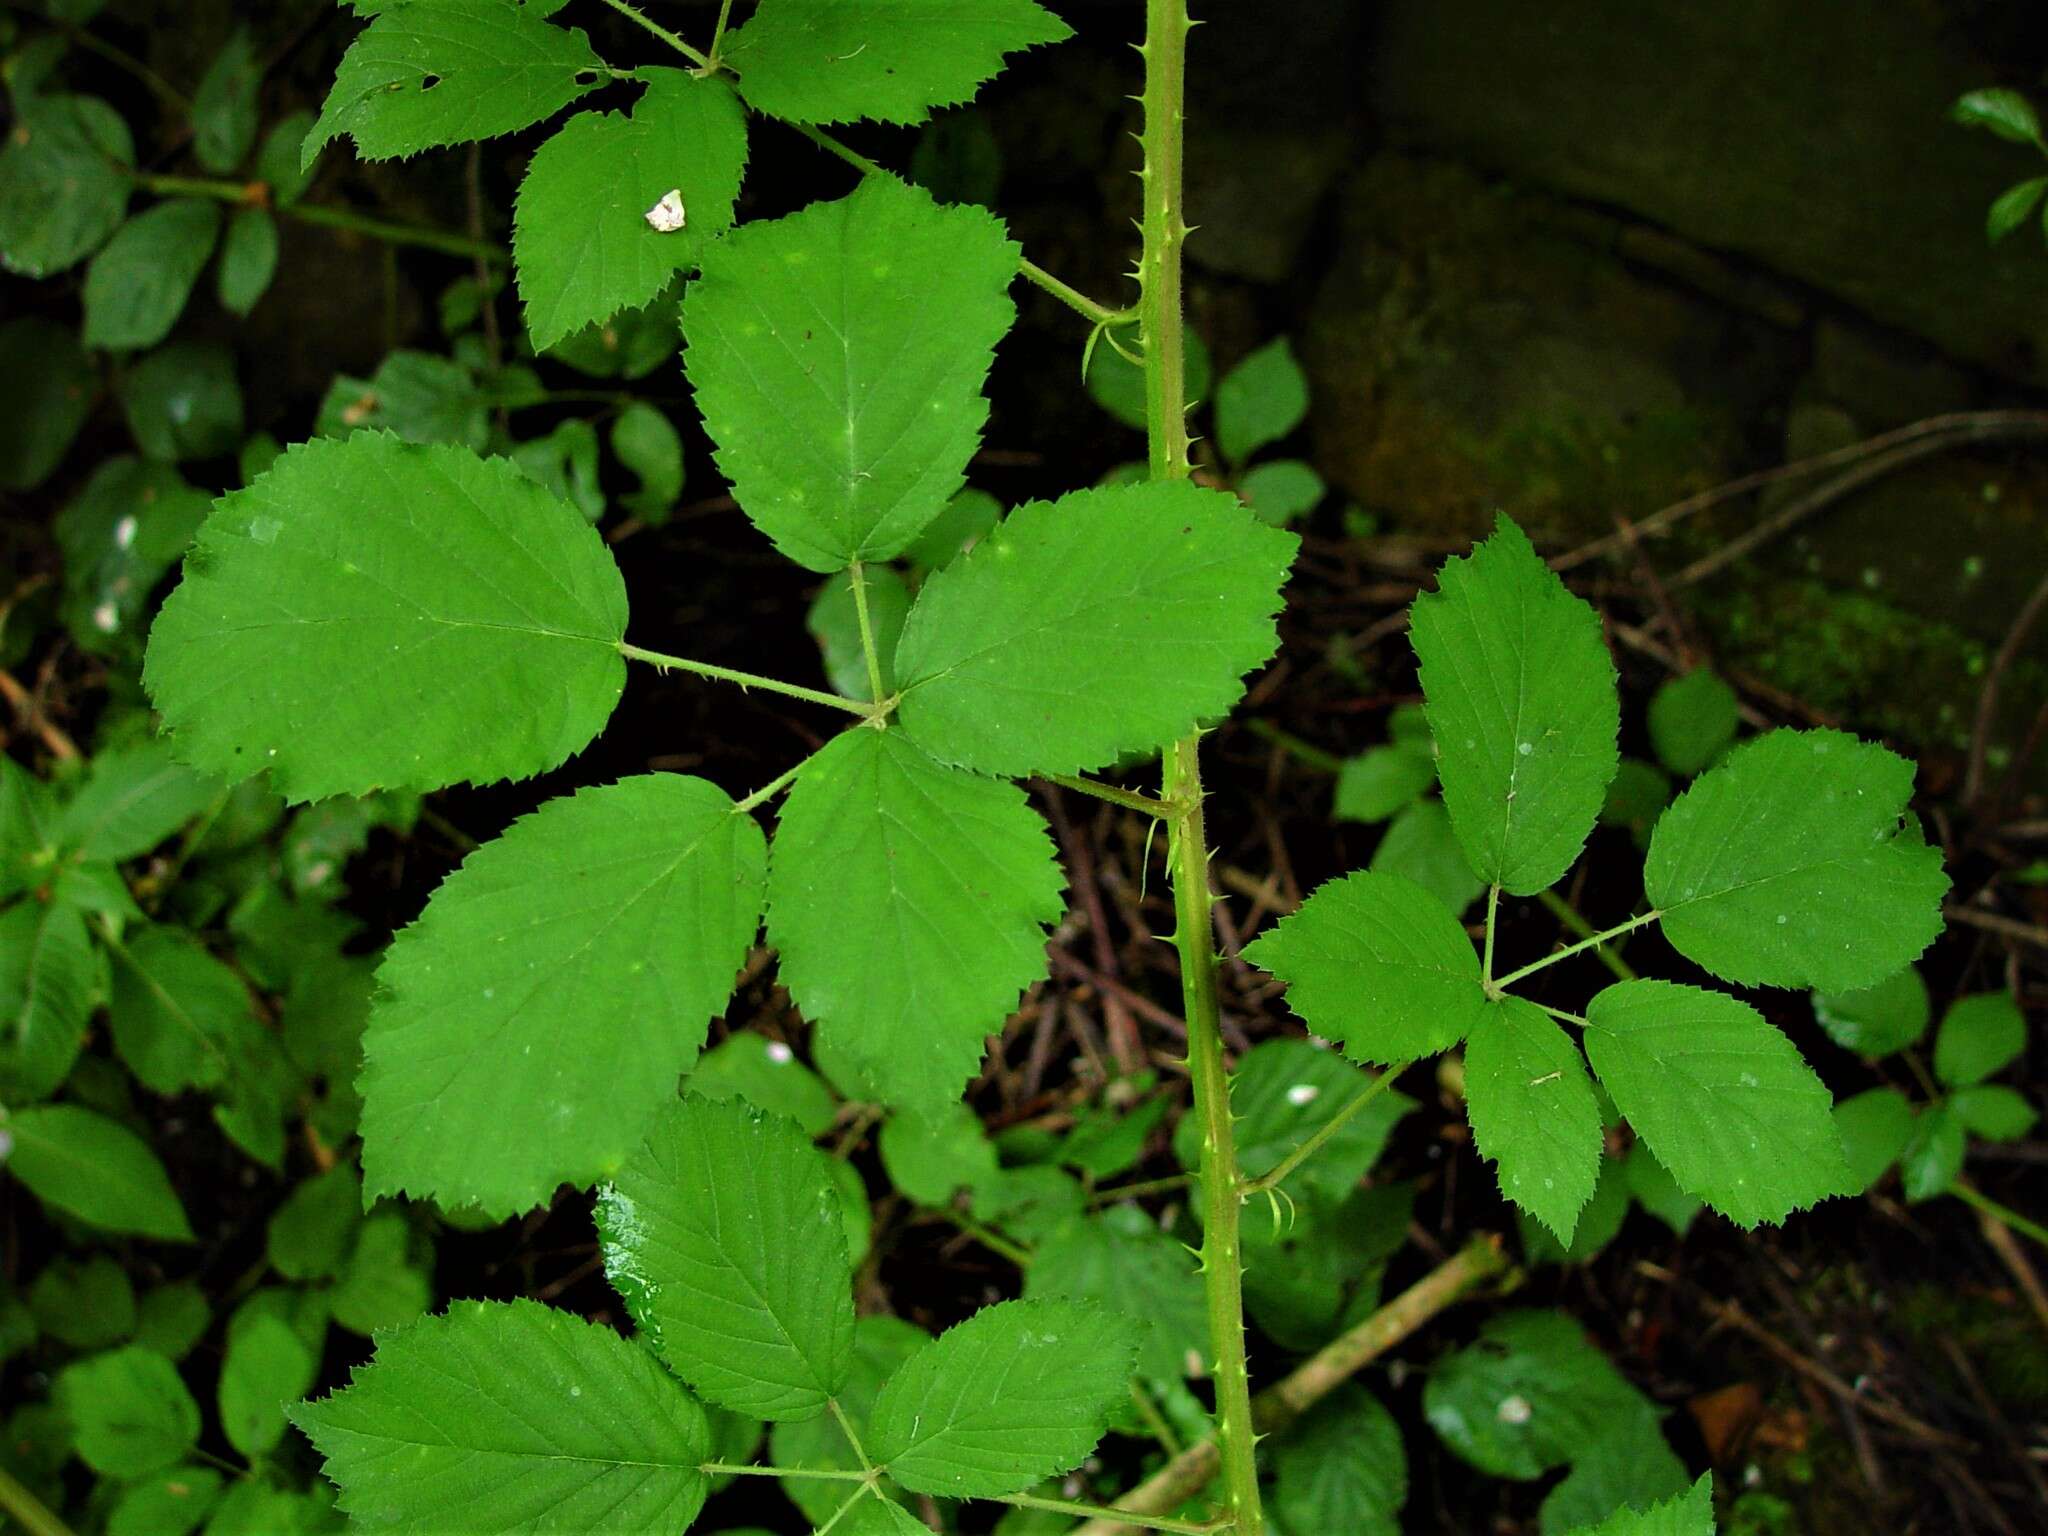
138, 284
94, 1169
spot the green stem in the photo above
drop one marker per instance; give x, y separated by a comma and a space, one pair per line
1129, 799
675, 42
1568, 914
1301, 1154
244, 194
28, 1511
1097, 1511
1594, 942
841, 1512
1308, 752
852, 1435
993, 1241
747, 680
856, 576
718, 35
727, 1469
1969, 1194
1118, 1192
1492, 921
771, 789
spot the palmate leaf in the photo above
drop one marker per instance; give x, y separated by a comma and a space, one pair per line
555, 987
835, 61
1788, 865
1521, 700
582, 243
451, 72
1379, 965
838, 356
1110, 620
370, 614
908, 902
1020, 1391
1722, 1098
511, 1419
1533, 1113
724, 1234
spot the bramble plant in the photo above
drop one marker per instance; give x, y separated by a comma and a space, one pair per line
377, 616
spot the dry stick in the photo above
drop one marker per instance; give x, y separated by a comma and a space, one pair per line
31, 715
1315, 1378
1991, 922
1987, 696
1994, 1221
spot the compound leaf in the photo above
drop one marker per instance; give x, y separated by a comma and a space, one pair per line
838, 356
129, 1411
1019, 1392
1110, 620
1521, 700
908, 902
1533, 1113
1788, 865
881, 1344
372, 614
1722, 1098
511, 1419
92, 1168
451, 72
582, 241
137, 285
724, 1234
837, 61
545, 1002
1379, 965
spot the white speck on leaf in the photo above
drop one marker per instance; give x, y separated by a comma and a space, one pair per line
1514, 1410
667, 216
1304, 1093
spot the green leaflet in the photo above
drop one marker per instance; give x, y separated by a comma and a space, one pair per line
834, 622
835, 61
370, 614
509, 1419
1260, 401
1876, 1020
1722, 1098
137, 285
1342, 1468
179, 1017
1121, 1260
130, 1412
1285, 1091
48, 388
582, 241
1979, 1035
1688, 1514
881, 1344
1522, 704
931, 1158
451, 72
267, 1366
1874, 1128
94, 1169
838, 356
1788, 865
1379, 965
47, 980
1628, 1463
224, 105
63, 182
132, 799
309, 1236
1382, 781
1533, 1113
908, 902
724, 1234
1420, 845
545, 1002
248, 260
1110, 620
1693, 720
767, 1075
170, 1503
1018, 1392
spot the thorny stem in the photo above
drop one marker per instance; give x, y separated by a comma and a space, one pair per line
255, 194
1594, 942
728, 1469
1301, 1154
1166, 428
749, 680
771, 789
1129, 799
1569, 915
632, 14
841, 1512
856, 576
1096, 1511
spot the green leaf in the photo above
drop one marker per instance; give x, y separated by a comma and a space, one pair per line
47, 980
88, 1304
837, 61
1994, 1111
929, 1159
1419, 845
1533, 1112
909, 903
1693, 720
1933, 1155
309, 1236
1874, 1128
359, 571
266, 1368
583, 244
138, 284
1379, 965
1119, 1259
1382, 781
1260, 401
168, 1503
418, 396
248, 260
1630, 1464
1653, 1188
1788, 865
451, 72
179, 1017
1636, 799
47, 390
766, 1074
1530, 1395
1979, 1035
381, 1286
1116, 382
834, 622
838, 356
94, 1169
466, 1059
133, 521
224, 106
2013, 207
1689, 1514
968, 518
1342, 1467
130, 1412
724, 1234
1019, 1392
1723, 1099
133, 799
171, 1319
183, 401
64, 181
277, 161
881, 1344
646, 442
1599, 1223
1521, 700
1001, 661
1876, 1021
1281, 491
509, 1418
2004, 112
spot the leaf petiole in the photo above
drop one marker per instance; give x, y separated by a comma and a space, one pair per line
852, 1437
1592, 942
1098, 1512
1129, 799
1309, 1147
817, 1474
669, 663
675, 42
856, 577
